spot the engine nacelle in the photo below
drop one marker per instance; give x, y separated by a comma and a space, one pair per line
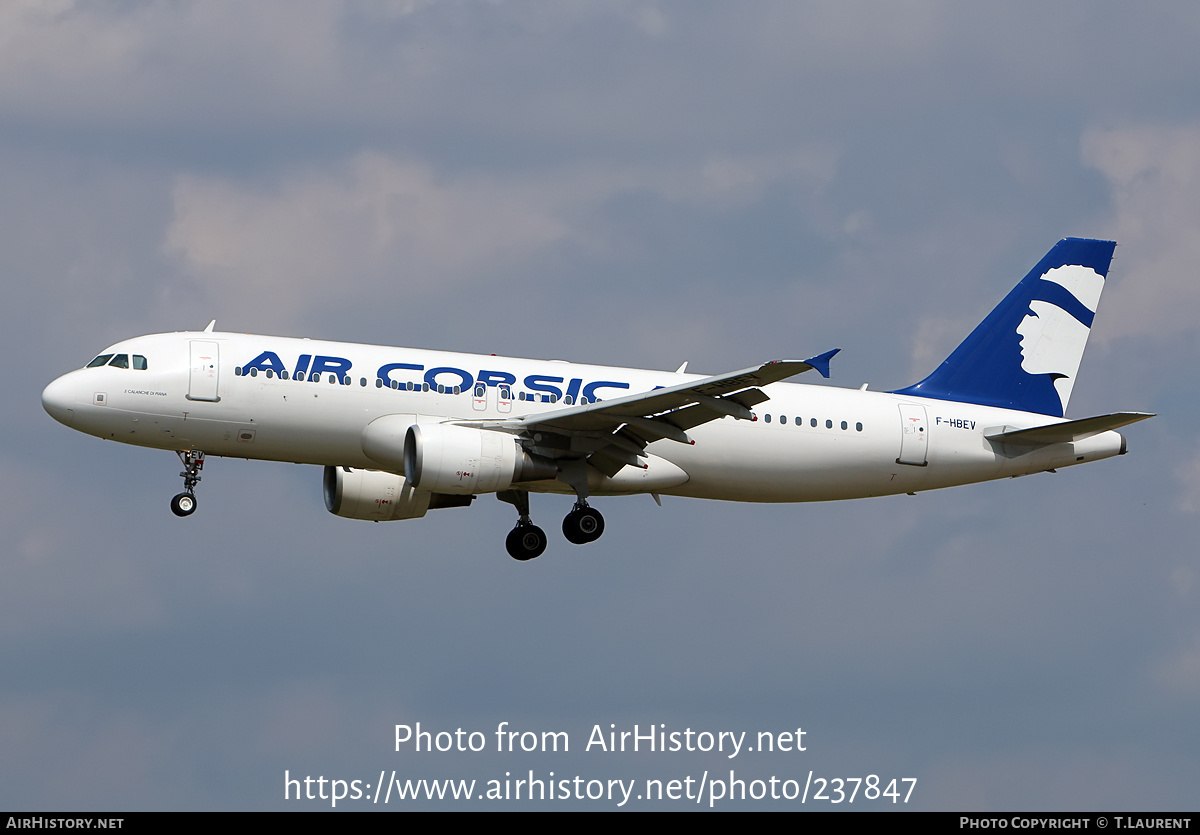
444, 458
379, 496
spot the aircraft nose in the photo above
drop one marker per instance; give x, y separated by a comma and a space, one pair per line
58, 399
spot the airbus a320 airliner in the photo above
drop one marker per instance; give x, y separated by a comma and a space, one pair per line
402, 431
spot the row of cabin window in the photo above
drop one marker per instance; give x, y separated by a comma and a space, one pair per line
505, 391
119, 361
345, 381
506, 394
553, 398
813, 422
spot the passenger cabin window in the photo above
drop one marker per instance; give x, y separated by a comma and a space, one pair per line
120, 361
99, 361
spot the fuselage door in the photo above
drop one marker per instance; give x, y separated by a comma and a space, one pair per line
206, 363
479, 399
914, 437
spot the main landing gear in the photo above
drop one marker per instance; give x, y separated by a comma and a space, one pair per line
583, 524
184, 504
527, 541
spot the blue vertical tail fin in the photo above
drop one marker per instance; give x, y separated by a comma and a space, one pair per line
1026, 353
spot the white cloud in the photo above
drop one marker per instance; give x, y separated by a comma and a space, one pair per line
935, 337
1188, 473
128, 64
380, 227
1154, 174
59, 568
1180, 672
375, 228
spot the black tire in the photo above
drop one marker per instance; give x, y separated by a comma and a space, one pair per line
525, 542
583, 525
184, 504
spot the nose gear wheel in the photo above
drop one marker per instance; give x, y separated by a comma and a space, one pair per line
184, 504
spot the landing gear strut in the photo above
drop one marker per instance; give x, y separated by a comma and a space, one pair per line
184, 504
584, 523
526, 541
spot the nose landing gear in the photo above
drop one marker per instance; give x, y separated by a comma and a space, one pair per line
184, 504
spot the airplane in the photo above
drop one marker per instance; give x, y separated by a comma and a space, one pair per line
401, 432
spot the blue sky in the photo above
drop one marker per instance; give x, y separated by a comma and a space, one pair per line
628, 183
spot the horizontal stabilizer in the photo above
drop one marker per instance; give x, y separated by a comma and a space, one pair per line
1063, 433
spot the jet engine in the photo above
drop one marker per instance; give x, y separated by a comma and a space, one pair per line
380, 496
444, 458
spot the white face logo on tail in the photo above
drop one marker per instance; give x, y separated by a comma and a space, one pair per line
1052, 340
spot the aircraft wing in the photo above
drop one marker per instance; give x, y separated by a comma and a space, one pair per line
611, 434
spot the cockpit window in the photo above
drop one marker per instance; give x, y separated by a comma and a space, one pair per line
139, 362
99, 361
120, 361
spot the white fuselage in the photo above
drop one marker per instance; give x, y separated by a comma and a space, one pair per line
808, 443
